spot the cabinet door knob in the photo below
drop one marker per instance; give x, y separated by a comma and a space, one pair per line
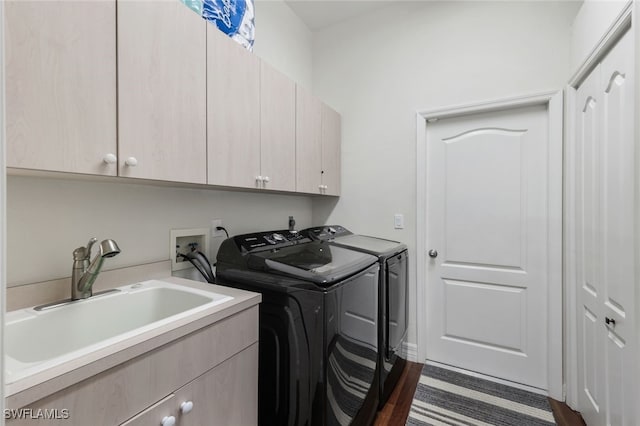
320, 186
131, 162
325, 187
186, 406
109, 158
168, 421
258, 178
610, 321
266, 179
433, 253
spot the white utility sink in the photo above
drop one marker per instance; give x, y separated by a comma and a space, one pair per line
39, 339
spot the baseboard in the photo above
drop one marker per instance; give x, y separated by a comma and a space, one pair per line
410, 351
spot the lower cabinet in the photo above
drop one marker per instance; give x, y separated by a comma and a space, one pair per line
208, 377
225, 395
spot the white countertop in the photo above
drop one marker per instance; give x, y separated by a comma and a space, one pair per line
43, 383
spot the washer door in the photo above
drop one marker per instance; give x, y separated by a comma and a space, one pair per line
352, 352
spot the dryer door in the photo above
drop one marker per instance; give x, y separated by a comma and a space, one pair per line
396, 306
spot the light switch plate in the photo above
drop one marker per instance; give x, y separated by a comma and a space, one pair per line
398, 221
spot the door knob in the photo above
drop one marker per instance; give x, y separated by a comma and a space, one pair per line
610, 321
433, 253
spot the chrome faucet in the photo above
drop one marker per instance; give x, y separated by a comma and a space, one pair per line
84, 273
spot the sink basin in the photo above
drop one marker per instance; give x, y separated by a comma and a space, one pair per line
36, 340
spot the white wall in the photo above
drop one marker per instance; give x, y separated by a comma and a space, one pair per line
379, 69
591, 23
48, 218
283, 40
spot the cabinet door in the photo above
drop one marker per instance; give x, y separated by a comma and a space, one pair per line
233, 112
61, 85
226, 395
162, 91
331, 138
277, 130
308, 142
156, 413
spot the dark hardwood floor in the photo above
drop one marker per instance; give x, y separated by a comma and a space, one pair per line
564, 415
396, 410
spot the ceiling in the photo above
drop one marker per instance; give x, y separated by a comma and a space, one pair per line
319, 14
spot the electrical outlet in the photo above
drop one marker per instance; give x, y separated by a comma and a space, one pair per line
215, 233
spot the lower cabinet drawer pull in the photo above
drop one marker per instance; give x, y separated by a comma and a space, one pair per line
168, 421
186, 407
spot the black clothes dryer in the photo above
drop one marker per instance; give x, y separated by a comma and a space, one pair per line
393, 259
318, 326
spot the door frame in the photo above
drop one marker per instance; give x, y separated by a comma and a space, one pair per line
3, 225
554, 102
617, 29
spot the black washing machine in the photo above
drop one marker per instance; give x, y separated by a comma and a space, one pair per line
318, 326
393, 260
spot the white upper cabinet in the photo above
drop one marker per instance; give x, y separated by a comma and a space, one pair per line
233, 112
150, 90
308, 142
318, 141
161, 91
277, 130
61, 85
331, 146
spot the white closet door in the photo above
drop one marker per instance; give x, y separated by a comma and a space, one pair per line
591, 352
618, 224
606, 246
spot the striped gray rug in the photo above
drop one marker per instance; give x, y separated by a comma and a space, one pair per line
445, 397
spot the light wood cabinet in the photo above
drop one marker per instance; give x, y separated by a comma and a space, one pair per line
156, 413
226, 395
233, 112
331, 146
277, 130
318, 145
61, 85
308, 142
215, 368
189, 104
161, 91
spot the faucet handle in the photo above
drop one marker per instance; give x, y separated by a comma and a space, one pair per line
82, 253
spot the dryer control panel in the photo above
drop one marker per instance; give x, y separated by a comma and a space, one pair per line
325, 233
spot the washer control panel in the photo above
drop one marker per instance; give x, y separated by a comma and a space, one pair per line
269, 240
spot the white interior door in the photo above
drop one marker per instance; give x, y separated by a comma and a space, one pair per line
605, 240
488, 219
